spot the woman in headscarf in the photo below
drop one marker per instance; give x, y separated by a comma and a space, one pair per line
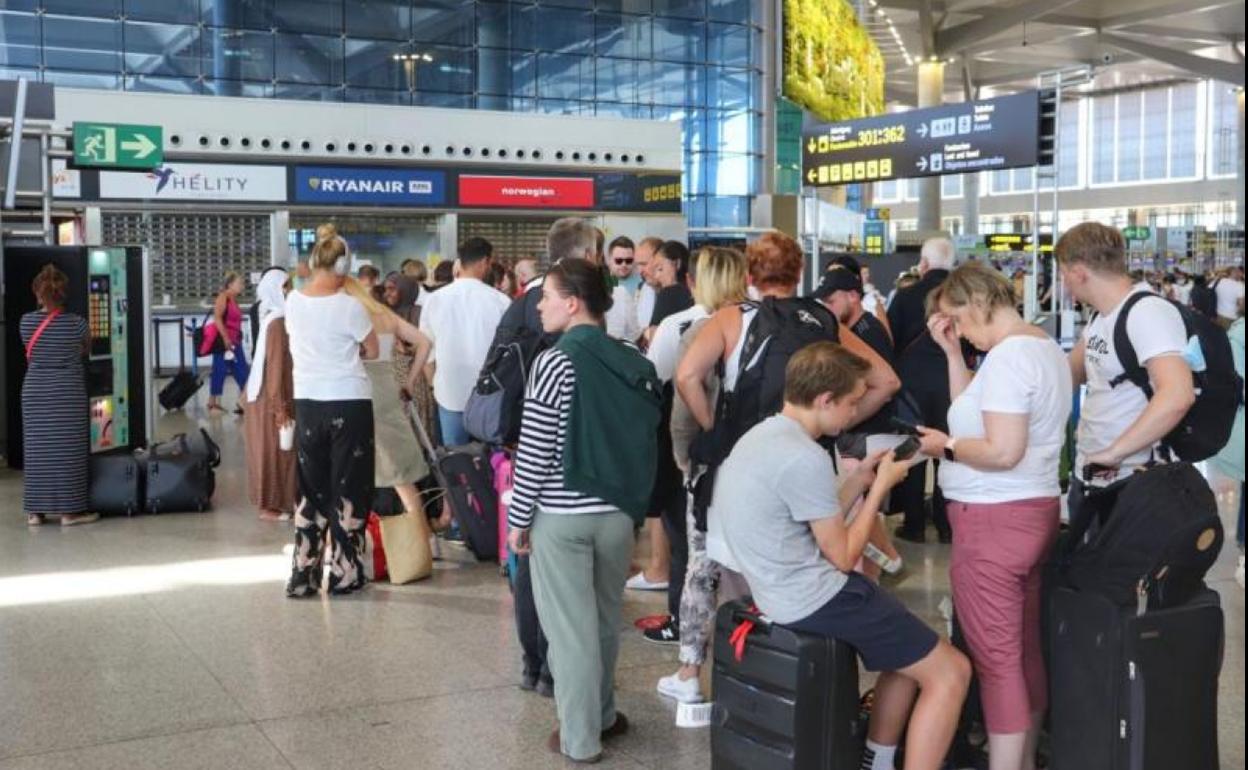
270, 405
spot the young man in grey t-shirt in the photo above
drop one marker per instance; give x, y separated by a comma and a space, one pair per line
777, 518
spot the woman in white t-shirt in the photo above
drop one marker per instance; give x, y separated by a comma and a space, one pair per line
1007, 425
330, 335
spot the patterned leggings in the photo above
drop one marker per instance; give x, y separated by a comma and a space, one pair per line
334, 441
707, 585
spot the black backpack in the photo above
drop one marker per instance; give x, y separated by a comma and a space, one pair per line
779, 329
496, 403
1146, 540
1205, 299
1206, 427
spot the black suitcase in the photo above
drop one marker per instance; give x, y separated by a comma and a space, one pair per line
179, 390
468, 478
116, 484
790, 703
467, 481
181, 473
1132, 691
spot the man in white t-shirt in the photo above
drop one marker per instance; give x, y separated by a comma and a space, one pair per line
621, 319
1230, 293
1119, 427
648, 290
461, 319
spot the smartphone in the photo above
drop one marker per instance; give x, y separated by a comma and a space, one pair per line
1092, 470
903, 427
906, 449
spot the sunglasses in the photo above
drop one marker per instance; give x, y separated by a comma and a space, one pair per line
624, 261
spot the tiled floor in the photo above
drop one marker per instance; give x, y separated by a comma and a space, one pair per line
166, 642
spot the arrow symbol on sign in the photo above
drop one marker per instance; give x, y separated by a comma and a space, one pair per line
922, 164
811, 145
922, 130
141, 146
810, 176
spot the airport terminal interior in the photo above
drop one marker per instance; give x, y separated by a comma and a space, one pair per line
181, 180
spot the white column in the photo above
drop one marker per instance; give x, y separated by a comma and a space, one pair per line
931, 88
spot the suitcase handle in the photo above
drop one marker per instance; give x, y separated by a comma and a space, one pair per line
752, 615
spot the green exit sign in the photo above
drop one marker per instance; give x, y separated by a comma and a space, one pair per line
1137, 233
118, 145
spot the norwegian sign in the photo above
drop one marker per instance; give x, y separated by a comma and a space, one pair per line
370, 186
197, 182
118, 145
952, 139
526, 192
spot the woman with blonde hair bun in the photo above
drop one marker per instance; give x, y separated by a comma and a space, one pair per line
331, 335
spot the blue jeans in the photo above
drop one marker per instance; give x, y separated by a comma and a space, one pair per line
452, 424
221, 368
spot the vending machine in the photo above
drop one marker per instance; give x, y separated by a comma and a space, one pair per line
107, 287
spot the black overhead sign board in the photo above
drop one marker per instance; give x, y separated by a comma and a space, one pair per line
952, 139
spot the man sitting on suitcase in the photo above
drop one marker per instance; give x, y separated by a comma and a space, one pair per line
776, 518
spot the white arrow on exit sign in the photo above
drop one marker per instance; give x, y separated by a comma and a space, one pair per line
141, 146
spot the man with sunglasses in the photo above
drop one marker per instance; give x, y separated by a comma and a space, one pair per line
621, 319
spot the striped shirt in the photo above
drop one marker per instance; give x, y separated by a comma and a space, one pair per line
543, 431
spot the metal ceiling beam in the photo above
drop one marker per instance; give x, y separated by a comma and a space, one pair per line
954, 39
1176, 33
1216, 69
1167, 10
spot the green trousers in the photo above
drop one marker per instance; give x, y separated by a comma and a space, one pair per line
579, 565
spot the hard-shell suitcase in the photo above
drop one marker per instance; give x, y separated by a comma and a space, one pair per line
1133, 690
788, 702
504, 482
181, 473
467, 480
116, 484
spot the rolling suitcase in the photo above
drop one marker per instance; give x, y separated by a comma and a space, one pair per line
466, 477
184, 384
784, 700
116, 484
1133, 690
179, 390
181, 473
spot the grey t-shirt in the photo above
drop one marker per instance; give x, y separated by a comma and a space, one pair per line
774, 483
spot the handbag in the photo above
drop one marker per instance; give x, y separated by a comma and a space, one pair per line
406, 541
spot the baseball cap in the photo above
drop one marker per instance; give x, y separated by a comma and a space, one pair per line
838, 279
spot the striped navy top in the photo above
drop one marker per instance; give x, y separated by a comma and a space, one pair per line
543, 431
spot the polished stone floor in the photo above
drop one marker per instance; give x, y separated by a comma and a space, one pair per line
166, 642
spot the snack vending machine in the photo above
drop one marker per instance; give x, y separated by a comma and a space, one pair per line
108, 288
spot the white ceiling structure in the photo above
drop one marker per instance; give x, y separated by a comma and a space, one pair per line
1001, 46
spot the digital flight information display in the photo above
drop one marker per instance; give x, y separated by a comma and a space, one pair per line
962, 138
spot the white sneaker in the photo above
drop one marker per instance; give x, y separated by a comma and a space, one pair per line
639, 582
680, 690
1239, 572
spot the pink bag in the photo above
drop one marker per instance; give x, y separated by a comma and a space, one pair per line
504, 480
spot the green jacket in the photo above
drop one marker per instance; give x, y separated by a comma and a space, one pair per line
611, 449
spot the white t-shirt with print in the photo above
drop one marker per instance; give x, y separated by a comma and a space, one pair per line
1021, 375
1155, 329
664, 351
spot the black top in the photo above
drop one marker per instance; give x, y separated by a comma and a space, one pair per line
670, 301
871, 330
908, 314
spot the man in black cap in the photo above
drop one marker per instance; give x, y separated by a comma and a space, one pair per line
841, 291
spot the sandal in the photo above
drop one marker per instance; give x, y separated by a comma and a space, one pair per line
34, 520
72, 520
216, 407
238, 410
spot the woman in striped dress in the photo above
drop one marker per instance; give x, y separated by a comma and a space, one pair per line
55, 430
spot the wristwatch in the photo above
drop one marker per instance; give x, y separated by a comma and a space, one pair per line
950, 446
